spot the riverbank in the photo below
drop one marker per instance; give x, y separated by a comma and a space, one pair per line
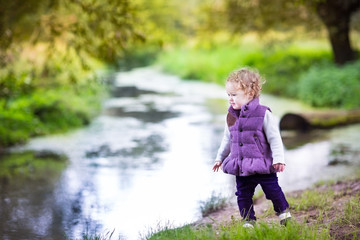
327, 211
301, 70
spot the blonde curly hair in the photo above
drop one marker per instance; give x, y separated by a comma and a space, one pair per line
247, 79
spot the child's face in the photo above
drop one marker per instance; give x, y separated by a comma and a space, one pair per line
237, 97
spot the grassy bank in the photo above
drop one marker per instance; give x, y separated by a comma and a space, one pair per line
302, 70
50, 93
329, 211
47, 111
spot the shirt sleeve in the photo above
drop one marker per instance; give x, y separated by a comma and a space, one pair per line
224, 148
272, 132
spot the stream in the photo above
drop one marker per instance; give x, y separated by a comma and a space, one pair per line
146, 162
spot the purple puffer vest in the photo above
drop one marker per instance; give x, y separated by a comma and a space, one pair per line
250, 152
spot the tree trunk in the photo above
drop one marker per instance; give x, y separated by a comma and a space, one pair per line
336, 15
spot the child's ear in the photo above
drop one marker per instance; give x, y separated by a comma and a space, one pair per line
251, 95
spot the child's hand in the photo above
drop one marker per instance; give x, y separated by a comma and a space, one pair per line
279, 167
216, 166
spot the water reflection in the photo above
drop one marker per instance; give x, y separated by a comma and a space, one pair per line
145, 113
144, 154
27, 206
314, 161
296, 139
147, 160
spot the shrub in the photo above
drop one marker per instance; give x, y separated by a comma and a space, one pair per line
47, 111
57, 90
283, 67
15, 125
331, 86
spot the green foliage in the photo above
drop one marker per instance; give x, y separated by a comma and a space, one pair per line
166, 21
281, 66
50, 50
47, 111
209, 65
16, 126
308, 16
331, 86
15, 80
100, 28
301, 70
52, 93
265, 15
139, 56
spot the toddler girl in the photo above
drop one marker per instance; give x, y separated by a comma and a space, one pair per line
251, 148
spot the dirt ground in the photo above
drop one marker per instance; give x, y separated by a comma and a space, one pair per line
343, 191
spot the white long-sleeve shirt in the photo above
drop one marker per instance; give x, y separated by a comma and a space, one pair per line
273, 136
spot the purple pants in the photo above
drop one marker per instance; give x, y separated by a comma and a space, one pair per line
246, 188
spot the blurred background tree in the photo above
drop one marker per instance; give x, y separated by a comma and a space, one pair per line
336, 16
102, 28
45, 35
241, 16
283, 39
51, 50
49, 53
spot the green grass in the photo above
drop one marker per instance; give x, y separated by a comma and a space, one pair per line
311, 199
352, 212
107, 235
281, 65
209, 65
319, 229
213, 204
302, 70
348, 223
262, 230
329, 222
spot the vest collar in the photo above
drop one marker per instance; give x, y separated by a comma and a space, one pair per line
247, 107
